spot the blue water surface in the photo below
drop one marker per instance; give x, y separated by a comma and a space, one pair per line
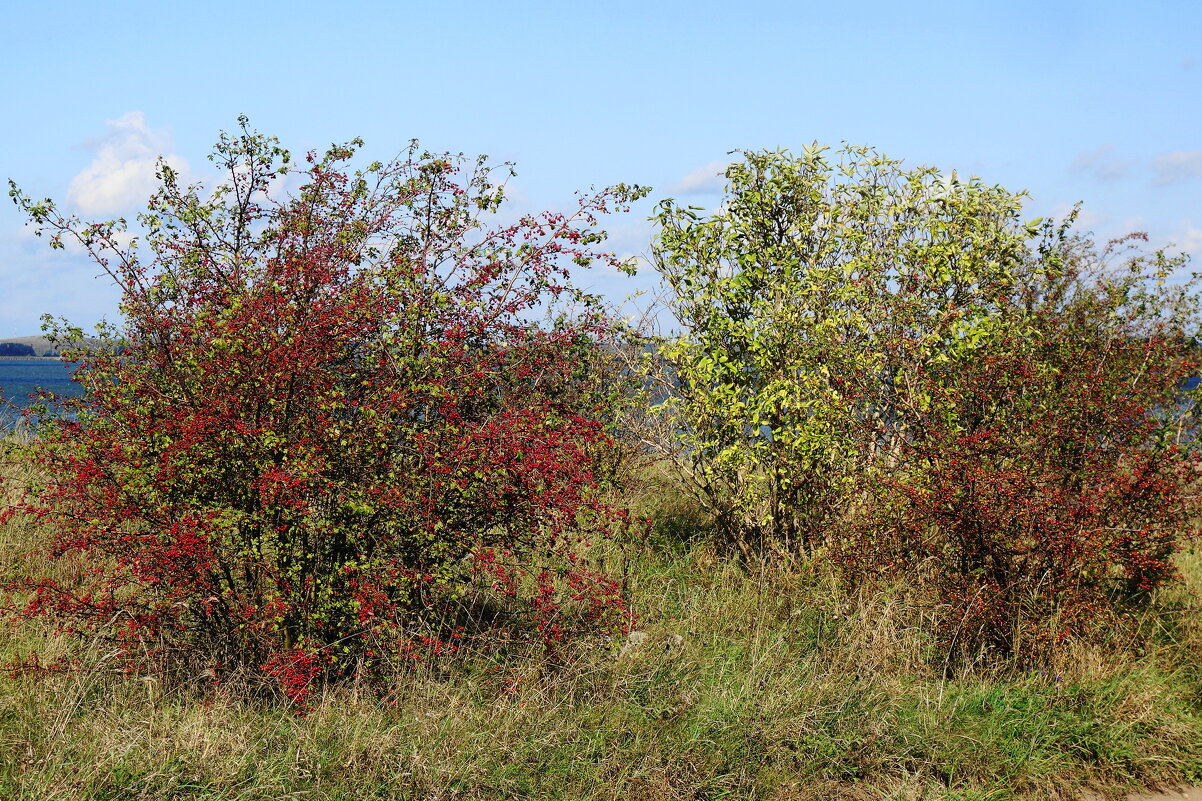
21, 377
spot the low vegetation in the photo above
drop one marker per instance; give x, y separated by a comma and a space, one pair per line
905, 511
773, 683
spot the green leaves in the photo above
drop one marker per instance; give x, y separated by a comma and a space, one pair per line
819, 275
892, 365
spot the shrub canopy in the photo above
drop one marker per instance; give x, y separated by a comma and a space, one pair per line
334, 436
891, 365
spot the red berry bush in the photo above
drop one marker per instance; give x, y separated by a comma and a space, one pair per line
1047, 473
331, 436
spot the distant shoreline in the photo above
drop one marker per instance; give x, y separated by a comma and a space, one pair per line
27, 358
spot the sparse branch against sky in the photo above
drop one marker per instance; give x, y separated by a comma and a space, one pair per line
1099, 102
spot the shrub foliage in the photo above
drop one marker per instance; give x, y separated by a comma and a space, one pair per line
1047, 479
333, 438
890, 366
812, 276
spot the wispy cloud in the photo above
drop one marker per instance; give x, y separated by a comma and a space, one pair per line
1189, 240
706, 179
1087, 219
121, 175
1180, 165
38, 280
1101, 163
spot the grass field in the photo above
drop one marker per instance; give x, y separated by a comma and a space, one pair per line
743, 684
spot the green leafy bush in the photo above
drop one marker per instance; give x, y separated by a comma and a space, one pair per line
889, 366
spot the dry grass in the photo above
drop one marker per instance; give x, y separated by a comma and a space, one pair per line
748, 684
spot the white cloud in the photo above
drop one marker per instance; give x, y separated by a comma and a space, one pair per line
121, 176
706, 179
1180, 165
1189, 241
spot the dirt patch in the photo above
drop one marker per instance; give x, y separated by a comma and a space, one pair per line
1193, 794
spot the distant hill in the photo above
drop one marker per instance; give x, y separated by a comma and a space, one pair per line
42, 346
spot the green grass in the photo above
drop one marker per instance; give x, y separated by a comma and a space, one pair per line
748, 685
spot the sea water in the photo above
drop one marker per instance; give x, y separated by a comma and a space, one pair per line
19, 378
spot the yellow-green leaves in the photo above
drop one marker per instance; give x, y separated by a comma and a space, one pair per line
820, 281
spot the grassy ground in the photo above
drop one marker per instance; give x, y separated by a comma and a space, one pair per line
745, 685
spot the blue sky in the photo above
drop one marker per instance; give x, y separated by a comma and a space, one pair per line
1093, 101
